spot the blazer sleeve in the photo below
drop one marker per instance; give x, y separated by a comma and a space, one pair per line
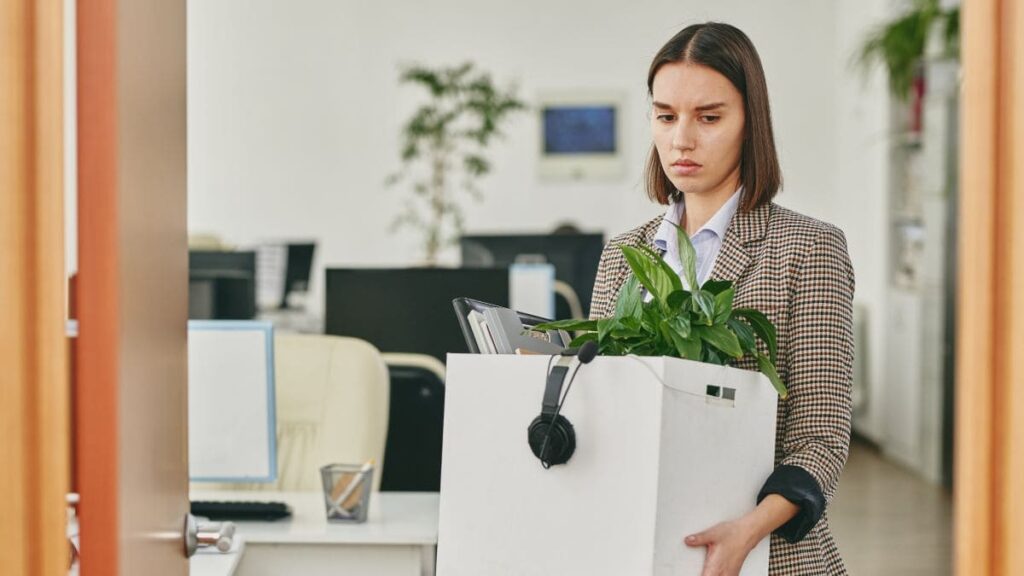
601, 305
816, 433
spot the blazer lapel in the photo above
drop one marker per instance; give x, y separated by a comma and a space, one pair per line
744, 229
651, 231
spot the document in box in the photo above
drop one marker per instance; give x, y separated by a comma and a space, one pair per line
510, 335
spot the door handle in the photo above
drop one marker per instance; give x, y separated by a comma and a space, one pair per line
219, 535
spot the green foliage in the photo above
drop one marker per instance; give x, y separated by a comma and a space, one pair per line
698, 324
446, 137
900, 44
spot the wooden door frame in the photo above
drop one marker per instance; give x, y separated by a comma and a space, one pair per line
989, 468
34, 394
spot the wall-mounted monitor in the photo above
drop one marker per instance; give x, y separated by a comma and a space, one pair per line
581, 136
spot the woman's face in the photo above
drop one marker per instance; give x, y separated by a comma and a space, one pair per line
698, 125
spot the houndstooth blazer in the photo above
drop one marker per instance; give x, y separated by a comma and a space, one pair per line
796, 270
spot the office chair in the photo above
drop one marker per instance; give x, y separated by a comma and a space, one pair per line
332, 407
415, 427
572, 300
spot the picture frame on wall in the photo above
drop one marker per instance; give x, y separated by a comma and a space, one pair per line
580, 135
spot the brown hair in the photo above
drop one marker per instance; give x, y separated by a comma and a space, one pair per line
726, 50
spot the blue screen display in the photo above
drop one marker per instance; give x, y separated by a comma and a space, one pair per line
579, 130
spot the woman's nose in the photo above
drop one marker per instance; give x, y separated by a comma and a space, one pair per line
683, 137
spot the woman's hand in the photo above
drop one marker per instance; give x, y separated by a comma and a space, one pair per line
728, 545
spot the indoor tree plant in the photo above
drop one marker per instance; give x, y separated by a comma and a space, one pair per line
443, 140
698, 324
900, 44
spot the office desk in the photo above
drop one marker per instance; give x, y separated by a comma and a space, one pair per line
398, 538
210, 562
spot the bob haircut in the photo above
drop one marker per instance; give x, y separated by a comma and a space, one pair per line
726, 50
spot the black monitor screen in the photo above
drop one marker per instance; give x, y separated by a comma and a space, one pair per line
575, 257
222, 284
408, 309
579, 130
298, 269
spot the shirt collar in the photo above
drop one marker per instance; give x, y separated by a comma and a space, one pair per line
718, 224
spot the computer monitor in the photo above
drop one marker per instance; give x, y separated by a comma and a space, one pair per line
298, 269
575, 257
408, 309
283, 268
232, 425
221, 285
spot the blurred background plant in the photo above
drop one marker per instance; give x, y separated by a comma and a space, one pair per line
444, 139
900, 44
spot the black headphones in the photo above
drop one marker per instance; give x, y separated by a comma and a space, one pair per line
551, 435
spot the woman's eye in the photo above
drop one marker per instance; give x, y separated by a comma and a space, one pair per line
666, 117
707, 119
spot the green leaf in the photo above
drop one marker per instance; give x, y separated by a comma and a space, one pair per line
688, 347
723, 305
768, 369
704, 302
650, 317
681, 325
712, 357
643, 269
716, 287
572, 325
604, 327
631, 298
476, 165
580, 340
763, 327
688, 257
678, 300
722, 338
666, 332
682, 345
744, 333
671, 274
624, 332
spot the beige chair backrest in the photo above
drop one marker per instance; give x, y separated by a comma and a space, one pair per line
332, 407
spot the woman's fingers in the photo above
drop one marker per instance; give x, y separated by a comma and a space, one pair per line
704, 538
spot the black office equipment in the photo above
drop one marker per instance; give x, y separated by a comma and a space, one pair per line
575, 257
222, 285
412, 455
298, 269
407, 309
240, 510
551, 436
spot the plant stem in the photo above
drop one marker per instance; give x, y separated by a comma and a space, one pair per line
437, 204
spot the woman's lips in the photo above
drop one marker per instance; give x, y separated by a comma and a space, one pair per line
685, 168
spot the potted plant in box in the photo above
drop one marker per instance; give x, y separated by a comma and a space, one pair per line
655, 315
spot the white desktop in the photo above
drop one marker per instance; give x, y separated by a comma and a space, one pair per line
232, 439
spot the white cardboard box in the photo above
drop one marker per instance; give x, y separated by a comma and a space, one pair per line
657, 458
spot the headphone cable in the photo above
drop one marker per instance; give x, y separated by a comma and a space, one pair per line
558, 409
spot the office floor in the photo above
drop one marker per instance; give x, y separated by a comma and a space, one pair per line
887, 521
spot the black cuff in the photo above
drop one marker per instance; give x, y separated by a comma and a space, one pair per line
798, 486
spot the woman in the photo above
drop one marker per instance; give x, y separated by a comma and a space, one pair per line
713, 163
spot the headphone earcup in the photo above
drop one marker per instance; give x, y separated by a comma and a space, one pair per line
561, 440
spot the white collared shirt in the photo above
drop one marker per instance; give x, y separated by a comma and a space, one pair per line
707, 241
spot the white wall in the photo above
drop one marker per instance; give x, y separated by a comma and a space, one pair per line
295, 111
859, 203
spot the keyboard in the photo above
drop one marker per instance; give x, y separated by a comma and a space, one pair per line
240, 510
